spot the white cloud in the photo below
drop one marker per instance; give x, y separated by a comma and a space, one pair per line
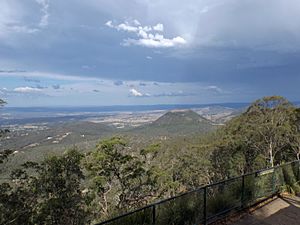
109, 24
22, 29
214, 88
127, 27
156, 42
146, 37
263, 25
143, 34
27, 90
136, 22
159, 27
45, 12
135, 93
16, 17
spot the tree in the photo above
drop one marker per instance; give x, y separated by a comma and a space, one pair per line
50, 195
17, 199
260, 137
120, 181
4, 155
295, 138
58, 187
229, 156
270, 123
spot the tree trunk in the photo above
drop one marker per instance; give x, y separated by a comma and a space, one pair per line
271, 155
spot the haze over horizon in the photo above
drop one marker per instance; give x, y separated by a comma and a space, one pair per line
138, 52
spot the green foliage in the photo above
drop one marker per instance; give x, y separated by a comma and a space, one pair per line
249, 190
272, 119
259, 138
2, 102
227, 158
120, 181
4, 155
220, 202
291, 189
52, 195
150, 152
142, 217
58, 185
294, 146
187, 209
291, 179
192, 171
17, 201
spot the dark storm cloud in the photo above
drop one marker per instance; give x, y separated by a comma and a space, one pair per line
246, 45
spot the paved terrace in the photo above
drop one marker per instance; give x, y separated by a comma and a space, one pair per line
281, 211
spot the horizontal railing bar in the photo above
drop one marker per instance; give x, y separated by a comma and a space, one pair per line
224, 181
126, 214
223, 212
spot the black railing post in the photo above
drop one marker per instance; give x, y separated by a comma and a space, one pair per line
205, 205
243, 192
153, 214
273, 181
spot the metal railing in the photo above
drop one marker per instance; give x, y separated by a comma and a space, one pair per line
210, 202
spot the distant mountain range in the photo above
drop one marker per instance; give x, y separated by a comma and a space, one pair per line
20, 115
119, 108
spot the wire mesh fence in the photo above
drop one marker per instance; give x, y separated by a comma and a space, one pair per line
208, 203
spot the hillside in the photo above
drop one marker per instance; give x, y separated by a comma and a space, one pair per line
62, 134
35, 141
176, 122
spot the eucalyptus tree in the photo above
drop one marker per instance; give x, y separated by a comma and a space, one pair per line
261, 136
295, 139
47, 193
270, 123
119, 181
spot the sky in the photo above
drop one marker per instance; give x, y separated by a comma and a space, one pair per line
133, 52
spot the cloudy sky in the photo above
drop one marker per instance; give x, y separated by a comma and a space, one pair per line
116, 52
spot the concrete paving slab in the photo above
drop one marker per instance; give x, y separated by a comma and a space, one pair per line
281, 211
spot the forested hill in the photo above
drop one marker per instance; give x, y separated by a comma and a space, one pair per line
177, 122
176, 117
